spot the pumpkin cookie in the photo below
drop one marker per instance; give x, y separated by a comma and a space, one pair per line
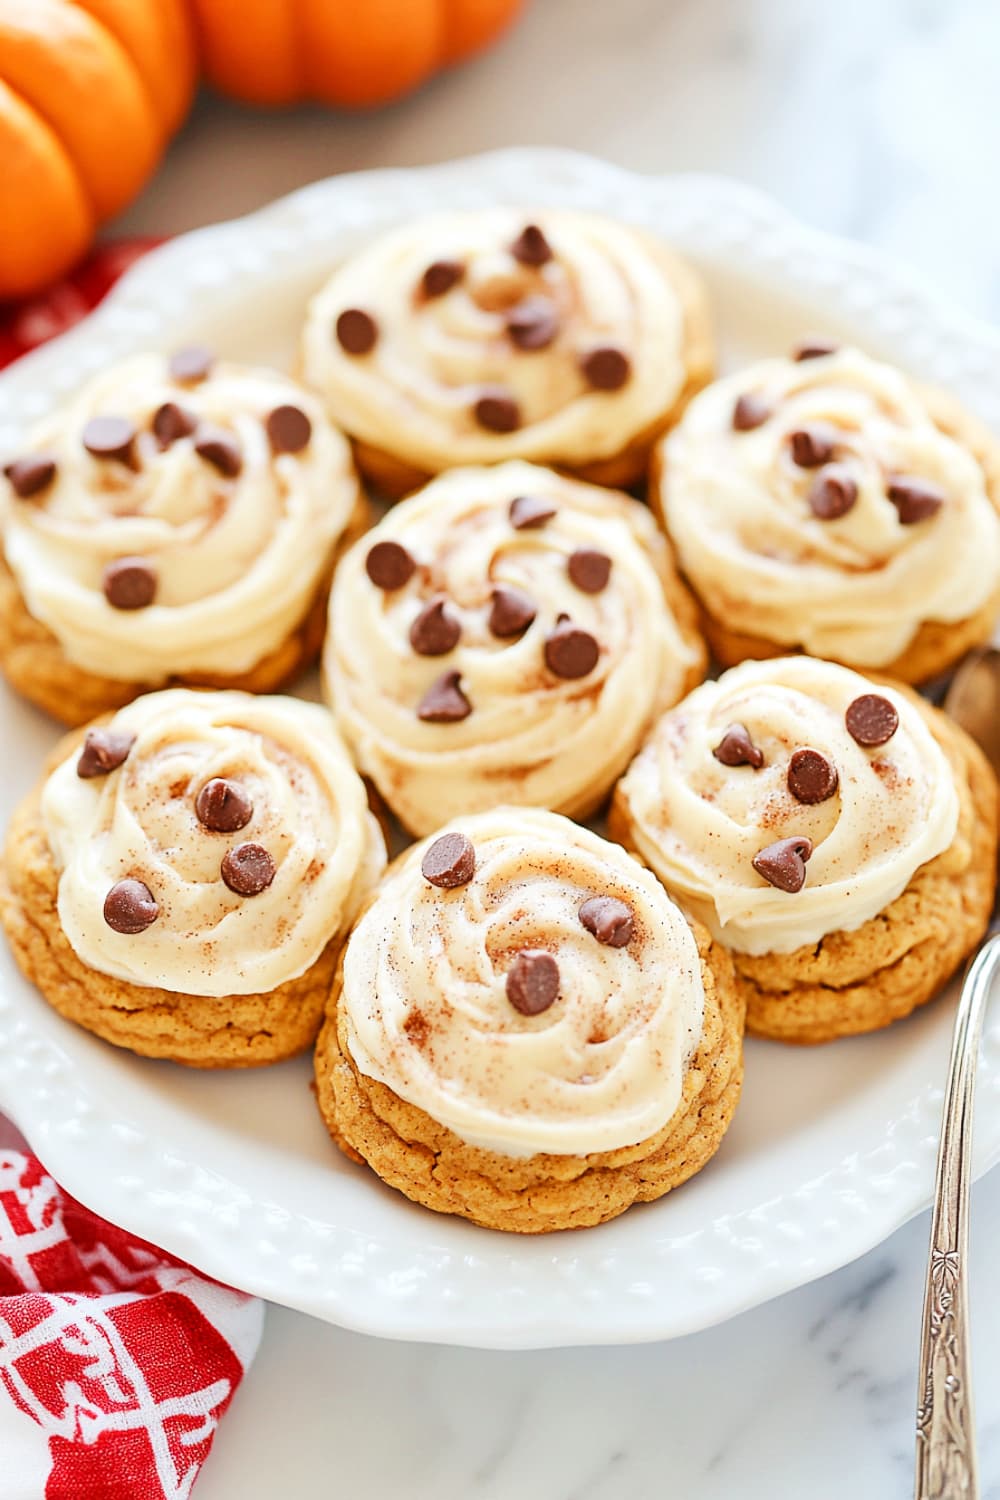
506, 635
176, 522
181, 880
524, 1030
839, 837
826, 503
471, 338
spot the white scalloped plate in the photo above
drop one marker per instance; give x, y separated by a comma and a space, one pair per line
832, 1148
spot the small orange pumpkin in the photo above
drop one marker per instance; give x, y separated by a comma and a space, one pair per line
90, 93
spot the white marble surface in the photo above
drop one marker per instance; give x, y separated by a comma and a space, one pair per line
877, 121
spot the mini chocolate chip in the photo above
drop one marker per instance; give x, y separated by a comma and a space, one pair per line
871, 720
104, 750
914, 499
449, 862
130, 907
736, 748
111, 438
129, 583
189, 365
783, 864
610, 920
750, 411
569, 651
248, 869
171, 422
832, 493
441, 276
389, 565
531, 247
813, 445
219, 448
589, 569
533, 981
444, 702
511, 613
357, 331
533, 323
29, 475
811, 777
497, 412
435, 631
814, 347
606, 368
223, 806
529, 510
288, 429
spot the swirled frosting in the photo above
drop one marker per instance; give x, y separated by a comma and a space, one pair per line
699, 823
531, 736
855, 586
414, 391
139, 822
427, 1010
237, 557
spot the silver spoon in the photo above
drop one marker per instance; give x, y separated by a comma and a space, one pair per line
946, 1437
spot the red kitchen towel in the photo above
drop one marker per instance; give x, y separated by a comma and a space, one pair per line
116, 1360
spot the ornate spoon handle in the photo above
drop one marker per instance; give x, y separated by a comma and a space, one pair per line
946, 1437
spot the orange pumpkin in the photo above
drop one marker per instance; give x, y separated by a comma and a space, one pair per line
346, 52
90, 93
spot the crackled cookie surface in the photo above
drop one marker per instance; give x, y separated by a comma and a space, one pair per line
505, 635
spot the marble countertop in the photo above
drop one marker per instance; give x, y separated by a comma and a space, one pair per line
875, 121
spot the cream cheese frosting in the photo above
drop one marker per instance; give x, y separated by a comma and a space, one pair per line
414, 391
428, 1014
531, 736
139, 822
237, 557
699, 823
857, 586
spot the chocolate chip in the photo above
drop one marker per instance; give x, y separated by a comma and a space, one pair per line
497, 412
811, 777
750, 411
813, 445
189, 365
511, 613
606, 368
357, 331
129, 583
28, 476
529, 510
435, 631
441, 276
130, 907
104, 750
569, 651
736, 748
609, 919
533, 323
389, 565
784, 864
219, 448
111, 438
914, 499
449, 862
531, 247
814, 347
248, 869
288, 429
444, 702
533, 981
832, 493
589, 569
223, 806
871, 720
171, 422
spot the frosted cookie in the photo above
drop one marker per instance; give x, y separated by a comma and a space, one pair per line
826, 503
526, 1031
175, 522
471, 338
505, 635
181, 880
837, 836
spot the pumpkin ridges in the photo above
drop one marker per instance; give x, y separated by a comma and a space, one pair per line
473, 24
47, 219
358, 55
159, 40
253, 56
